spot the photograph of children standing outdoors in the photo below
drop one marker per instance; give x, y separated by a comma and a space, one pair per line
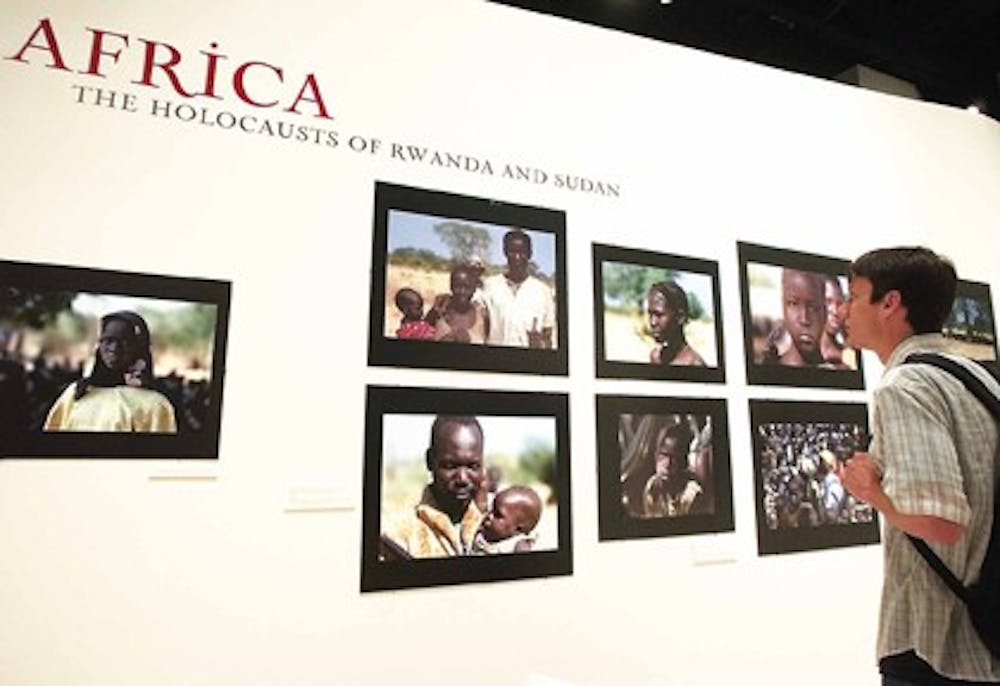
455, 281
466, 283
656, 316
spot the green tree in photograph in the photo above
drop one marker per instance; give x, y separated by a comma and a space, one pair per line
190, 328
626, 285
464, 240
538, 461
32, 308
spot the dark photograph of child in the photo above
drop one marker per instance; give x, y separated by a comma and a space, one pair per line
792, 328
665, 473
799, 449
91, 372
484, 279
478, 485
656, 316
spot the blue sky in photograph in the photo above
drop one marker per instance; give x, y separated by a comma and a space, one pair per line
413, 230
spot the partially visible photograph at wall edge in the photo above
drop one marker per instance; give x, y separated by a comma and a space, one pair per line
971, 324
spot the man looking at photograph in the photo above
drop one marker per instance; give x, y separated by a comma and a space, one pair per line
445, 521
521, 306
930, 470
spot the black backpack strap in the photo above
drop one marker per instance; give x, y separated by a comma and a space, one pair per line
940, 567
992, 403
975, 386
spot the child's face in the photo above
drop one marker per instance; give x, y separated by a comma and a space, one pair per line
463, 285
504, 519
412, 306
804, 309
671, 457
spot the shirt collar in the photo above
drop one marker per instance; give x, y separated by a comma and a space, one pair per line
922, 342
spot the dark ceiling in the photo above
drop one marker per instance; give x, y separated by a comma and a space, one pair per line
948, 49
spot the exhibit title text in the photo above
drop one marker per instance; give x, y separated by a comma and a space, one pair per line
254, 82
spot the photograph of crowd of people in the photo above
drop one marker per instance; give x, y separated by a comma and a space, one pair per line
96, 364
971, 325
792, 322
656, 316
456, 272
663, 467
452, 484
799, 449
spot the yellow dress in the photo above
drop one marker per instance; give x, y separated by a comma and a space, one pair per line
117, 408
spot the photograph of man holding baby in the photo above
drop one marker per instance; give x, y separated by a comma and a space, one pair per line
455, 483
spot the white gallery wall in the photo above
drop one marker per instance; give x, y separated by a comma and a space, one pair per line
173, 572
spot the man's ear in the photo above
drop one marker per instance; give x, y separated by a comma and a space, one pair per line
429, 459
892, 300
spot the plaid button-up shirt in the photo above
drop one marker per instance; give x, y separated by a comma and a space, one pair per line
936, 445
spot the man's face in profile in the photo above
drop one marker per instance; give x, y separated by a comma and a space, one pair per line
804, 309
456, 464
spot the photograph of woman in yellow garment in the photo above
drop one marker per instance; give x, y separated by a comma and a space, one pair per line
121, 393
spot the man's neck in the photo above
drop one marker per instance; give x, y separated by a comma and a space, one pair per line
890, 342
516, 277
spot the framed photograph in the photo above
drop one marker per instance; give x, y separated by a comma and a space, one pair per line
797, 450
467, 283
656, 316
662, 467
793, 335
971, 326
99, 363
464, 486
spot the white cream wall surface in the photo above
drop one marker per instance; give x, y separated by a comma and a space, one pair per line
124, 572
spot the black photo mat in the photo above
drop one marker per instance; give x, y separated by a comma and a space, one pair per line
971, 325
526, 435
49, 321
623, 336
420, 236
629, 431
795, 446
764, 304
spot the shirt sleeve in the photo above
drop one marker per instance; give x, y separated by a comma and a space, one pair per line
921, 474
